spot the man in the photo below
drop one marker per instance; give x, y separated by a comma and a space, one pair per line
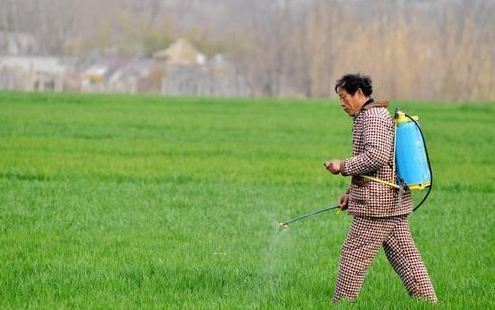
379, 215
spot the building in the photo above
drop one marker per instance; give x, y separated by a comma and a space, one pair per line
185, 71
28, 73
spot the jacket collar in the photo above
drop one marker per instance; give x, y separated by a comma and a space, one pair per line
373, 104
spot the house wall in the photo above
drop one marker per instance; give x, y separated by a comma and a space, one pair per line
203, 81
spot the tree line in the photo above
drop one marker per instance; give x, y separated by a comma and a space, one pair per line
429, 50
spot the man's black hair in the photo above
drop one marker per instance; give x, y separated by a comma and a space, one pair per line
352, 82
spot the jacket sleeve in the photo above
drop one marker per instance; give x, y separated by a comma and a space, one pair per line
378, 137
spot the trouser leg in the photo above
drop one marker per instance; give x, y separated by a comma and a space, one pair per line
407, 262
361, 246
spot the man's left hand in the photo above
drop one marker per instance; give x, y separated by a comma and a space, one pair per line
334, 166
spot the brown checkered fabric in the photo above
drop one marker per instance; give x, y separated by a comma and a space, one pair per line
373, 155
366, 236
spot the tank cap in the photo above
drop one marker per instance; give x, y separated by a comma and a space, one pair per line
400, 117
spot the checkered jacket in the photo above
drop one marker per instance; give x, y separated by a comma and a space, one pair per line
373, 155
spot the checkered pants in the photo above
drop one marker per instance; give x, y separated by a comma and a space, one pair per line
366, 236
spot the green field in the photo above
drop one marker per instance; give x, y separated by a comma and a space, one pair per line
126, 202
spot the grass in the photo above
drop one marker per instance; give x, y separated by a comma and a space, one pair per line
122, 202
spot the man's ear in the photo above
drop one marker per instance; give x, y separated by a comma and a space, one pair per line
359, 91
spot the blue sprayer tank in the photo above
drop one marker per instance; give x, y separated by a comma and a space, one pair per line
410, 154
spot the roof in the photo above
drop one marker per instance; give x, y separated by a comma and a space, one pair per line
105, 68
135, 68
182, 52
42, 64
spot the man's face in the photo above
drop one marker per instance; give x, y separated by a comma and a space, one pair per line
350, 103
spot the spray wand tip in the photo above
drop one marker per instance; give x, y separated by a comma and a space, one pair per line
283, 225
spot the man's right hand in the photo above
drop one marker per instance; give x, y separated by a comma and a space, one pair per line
343, 201
334, 166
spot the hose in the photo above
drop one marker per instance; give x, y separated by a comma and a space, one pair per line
427, 159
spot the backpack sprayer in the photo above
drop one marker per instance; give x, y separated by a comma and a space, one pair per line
411, 161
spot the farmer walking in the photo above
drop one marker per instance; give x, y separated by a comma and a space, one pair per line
379, 213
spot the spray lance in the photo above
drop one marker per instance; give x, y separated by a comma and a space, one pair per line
286, 224
411, 161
